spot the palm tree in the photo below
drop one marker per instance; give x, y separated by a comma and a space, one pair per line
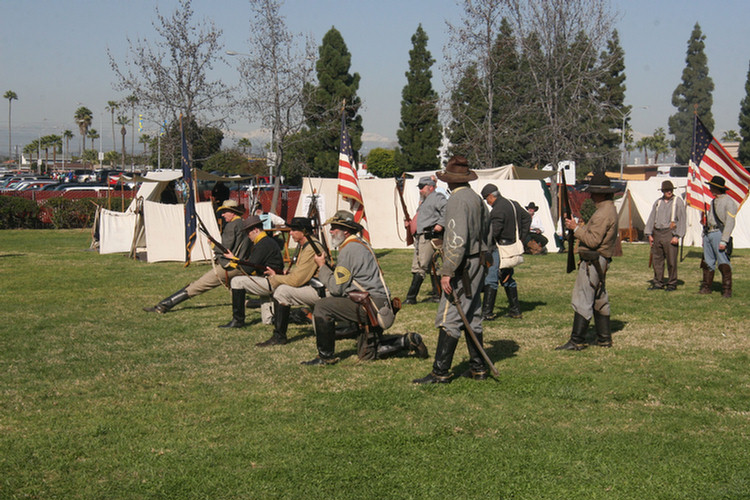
93, 134
83, 118
123, 121
131, 101
10, 95
144, 139
112, 107
67, 135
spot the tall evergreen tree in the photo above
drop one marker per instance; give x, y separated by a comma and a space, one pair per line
323, 109
744, 123
612, 97
419, 131
694, 90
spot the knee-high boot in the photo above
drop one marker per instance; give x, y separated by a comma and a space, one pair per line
325, 340
477, 369
514, 306
603, 332
577, 340
726, 280
238, 309
708, 279
416, 283
280, 325
443, 359
168, 303
488, 303
391, 344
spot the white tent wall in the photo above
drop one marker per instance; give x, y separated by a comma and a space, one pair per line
642, 196
116, 231
383, 208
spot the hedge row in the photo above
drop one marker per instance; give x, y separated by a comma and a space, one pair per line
56, 213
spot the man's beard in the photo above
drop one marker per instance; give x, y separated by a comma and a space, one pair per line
338, 239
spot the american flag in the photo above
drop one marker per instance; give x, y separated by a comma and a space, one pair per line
709, 158
187, 178
348, 181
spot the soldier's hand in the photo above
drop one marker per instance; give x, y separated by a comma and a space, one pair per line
320, 260
445, 284
650, 240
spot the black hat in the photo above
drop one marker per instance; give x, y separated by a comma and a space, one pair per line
457, 171
667, 186
600, 184
301, 224
487, 190
345, 220
718, 183
532, 205
251, 222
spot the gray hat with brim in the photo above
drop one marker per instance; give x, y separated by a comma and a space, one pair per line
251, 222
344, 219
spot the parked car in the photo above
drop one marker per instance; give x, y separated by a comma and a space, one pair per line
34, 185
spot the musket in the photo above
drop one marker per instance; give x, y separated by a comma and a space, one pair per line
225, 250
315, 247
407, 218
470, 331
567, 213
314, 215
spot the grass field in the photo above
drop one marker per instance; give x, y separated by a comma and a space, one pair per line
101, 400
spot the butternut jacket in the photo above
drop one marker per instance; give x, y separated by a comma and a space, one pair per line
600, 233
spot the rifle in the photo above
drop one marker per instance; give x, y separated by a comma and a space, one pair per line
314, 215
225, 250
567, 213
400, 189
315, 247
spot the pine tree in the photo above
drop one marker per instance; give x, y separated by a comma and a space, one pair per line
744, 123
612, 98
694, 90
419, 132
323, 111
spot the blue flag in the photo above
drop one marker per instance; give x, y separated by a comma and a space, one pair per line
187, 178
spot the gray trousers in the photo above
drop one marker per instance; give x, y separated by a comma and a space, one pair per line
588, 295
423, 252
448, 317
663, 250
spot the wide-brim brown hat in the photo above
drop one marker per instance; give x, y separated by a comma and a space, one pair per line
345, 220
667, 186
718, 183
600, 184
457, 171
251, 222
232, 206
301, 224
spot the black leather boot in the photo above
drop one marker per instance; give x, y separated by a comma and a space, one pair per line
238, 309
443, 359
708, 279
514, 306
280, 325
416, 283
603, 333
477, 369
325, 340
726, 280
577, 340
488, 303
168, 303
391, 344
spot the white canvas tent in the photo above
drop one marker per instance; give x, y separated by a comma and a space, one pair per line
635, 207
383, 208
157, 228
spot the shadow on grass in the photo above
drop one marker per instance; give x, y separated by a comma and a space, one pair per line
527, 306
497, 351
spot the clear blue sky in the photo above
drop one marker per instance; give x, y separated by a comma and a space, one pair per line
53, 54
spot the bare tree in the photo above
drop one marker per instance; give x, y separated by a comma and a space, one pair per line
274, 73
172, 74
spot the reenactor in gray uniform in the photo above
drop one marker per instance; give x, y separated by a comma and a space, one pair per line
234, 238
356, 270
430, 219
465, 245
665, 226
717, 234
596, 245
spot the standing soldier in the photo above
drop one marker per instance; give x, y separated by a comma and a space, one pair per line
596, 244
507, 219
465, 245
664, 228
430, 220
717, 234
